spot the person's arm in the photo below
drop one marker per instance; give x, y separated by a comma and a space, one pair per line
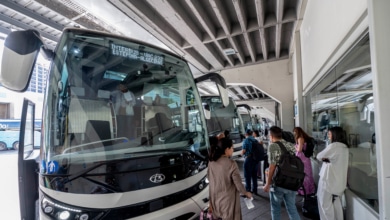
271, 171
301, 142
326, 154
243, 147
243, 152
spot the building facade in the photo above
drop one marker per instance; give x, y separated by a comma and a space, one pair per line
340, 67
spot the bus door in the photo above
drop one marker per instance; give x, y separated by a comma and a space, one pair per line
27, 166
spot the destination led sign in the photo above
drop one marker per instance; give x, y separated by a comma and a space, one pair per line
134, 54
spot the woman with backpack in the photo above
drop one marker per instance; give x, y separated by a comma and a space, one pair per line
301, 145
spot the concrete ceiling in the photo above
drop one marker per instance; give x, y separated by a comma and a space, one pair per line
217, 34
212, 35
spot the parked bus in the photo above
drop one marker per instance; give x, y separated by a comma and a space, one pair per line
225, 118
246, 115
117, 139
9, 134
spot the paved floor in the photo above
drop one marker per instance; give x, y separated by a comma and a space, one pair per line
262, 209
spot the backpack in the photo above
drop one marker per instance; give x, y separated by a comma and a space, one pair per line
257, 151
288, 136
289, 173
310, 144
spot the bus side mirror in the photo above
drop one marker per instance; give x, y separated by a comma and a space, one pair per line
221, 85
19, 55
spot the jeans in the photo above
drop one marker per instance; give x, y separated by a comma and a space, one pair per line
250, 174
277, 195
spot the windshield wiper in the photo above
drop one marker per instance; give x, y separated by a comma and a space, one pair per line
71, 177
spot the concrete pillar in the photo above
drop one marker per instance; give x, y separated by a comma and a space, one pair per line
379, 16
298, 85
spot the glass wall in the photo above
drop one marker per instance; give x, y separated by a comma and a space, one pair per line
344, 98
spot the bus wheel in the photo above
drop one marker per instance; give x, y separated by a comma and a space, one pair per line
15, 145
3, 146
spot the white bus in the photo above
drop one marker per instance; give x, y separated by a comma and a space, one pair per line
117, 139
225, 118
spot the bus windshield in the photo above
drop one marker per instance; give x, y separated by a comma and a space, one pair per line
110, 99
223, 118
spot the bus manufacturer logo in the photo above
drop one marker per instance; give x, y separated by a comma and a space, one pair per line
157, 178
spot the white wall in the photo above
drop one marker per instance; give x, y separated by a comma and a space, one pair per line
324, 29
16, 101
273, 79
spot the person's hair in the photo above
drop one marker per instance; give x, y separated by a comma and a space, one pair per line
226, 133
257, 133
338, 135
217, 150
249, 132
276, 132
299, 132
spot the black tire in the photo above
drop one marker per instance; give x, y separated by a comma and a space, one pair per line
3, 146
15, 145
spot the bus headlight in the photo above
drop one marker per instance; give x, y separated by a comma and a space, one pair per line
64, 215
58, 210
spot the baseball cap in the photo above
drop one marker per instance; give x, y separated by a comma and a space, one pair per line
249, 131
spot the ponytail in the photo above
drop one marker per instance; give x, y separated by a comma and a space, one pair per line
217, 148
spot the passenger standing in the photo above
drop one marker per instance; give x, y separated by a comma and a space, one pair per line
250, 165
225, 182
257, 136
333, 175
300, 146
266, 133
124, 100
278, 194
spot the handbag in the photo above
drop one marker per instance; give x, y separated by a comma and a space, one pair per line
310, 206
206, 215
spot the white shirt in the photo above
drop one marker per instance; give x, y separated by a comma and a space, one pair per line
334, 174
126, 100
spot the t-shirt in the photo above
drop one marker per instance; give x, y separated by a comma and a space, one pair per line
274, 151
247, 145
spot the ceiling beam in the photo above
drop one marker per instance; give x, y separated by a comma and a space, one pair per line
137, 11
249, 93
242, 19
260, 20
224, 21
278, 29
31, 14
177, 17
5, 30
240, 92
204, 20
233, 95
257, 92
25, 26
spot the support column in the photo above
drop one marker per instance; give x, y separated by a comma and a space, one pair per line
298, 85
379, 16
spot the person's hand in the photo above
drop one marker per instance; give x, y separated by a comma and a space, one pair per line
248, 195
267, 187
210, 208
220, 136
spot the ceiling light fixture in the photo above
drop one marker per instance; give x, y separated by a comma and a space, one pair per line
229, 51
